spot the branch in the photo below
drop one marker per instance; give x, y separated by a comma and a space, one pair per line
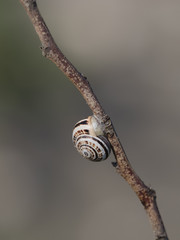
50, 50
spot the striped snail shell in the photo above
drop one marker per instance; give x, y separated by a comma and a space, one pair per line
89, 140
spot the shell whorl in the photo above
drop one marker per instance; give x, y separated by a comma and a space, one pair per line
90, 145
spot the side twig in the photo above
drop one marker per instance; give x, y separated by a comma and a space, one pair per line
146, 195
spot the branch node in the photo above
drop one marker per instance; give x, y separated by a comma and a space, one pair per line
45, 51
30, 4
114, 164
152, 193
85, 78
33, 4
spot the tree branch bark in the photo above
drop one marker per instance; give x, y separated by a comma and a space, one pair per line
50, 50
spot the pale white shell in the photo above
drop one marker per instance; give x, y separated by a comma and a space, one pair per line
86, 141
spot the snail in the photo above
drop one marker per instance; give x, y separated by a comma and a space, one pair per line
89, 139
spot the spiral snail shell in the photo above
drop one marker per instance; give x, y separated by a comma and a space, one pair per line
89, 139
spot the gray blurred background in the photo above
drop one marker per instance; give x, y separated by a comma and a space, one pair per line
129, 51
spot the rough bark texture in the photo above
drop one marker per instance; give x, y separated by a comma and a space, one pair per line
146, 195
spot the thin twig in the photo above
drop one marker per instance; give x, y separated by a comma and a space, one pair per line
146, 195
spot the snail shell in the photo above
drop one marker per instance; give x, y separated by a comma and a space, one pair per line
89, 140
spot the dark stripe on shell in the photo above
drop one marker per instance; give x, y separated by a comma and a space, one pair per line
83, 122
